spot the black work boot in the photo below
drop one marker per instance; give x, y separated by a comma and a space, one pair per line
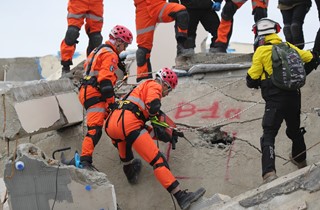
184, 52
66, 73
185, 199
132, 171
88, 166
218, 50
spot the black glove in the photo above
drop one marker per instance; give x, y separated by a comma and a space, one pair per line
253, 83
160, 133
313, 64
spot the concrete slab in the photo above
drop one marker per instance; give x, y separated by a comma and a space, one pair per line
38, 106
45, 184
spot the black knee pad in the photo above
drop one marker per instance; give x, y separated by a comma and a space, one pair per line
229, 10
96, 137
141, 56
95, 39
164, 163
72, 35
259, 13
182, 19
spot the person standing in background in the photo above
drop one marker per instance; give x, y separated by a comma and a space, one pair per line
201, 11
316, 47
293, 15
78, 10
148, 15
259, 10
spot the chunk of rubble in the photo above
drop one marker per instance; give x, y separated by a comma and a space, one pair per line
45, 184
33, 107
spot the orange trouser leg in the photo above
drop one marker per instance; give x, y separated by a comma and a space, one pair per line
143, 144
77, 10
95, 119
224, 31
145, 26
147, 149
94, 17
260, 3
67, 51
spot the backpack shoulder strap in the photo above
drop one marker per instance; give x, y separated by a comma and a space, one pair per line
95, 51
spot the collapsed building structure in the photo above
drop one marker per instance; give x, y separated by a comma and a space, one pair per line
218, 114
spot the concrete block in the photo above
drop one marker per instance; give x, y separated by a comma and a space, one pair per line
38, 106
45, 184
19, 69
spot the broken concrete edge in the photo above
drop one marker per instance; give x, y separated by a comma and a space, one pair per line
306, 179
39, 168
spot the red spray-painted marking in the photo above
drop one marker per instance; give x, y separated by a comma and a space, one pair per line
227, 176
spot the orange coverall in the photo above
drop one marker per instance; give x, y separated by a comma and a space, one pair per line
148, 14
228, 11
78, 10
104, 65
127, 130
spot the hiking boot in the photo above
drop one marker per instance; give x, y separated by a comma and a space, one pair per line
184, 52
132, 171
301, 164
66, 73
218, 50
270, 176
185, 199
88, 166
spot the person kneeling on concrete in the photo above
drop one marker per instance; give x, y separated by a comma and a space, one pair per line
126, 128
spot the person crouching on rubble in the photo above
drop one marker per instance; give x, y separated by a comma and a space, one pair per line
281, 104
96, 93
127, 129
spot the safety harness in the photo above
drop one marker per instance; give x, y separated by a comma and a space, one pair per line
92, 80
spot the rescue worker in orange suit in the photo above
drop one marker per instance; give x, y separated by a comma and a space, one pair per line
96, 93
148, 14
78, 10
259, 10
126, 127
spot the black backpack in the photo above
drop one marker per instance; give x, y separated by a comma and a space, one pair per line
288, 68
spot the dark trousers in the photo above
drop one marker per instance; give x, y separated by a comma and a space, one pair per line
316, 46
210, 21
293, 20
281, 107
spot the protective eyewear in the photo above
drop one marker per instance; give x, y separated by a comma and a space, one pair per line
168, 86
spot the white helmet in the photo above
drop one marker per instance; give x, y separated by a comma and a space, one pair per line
266, 26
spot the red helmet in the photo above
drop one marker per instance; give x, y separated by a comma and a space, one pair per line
121, 32
168, 76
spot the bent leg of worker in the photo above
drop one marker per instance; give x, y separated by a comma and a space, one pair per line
178, 13
271, 123
294, 132
147, 149
226, 25
95, 119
